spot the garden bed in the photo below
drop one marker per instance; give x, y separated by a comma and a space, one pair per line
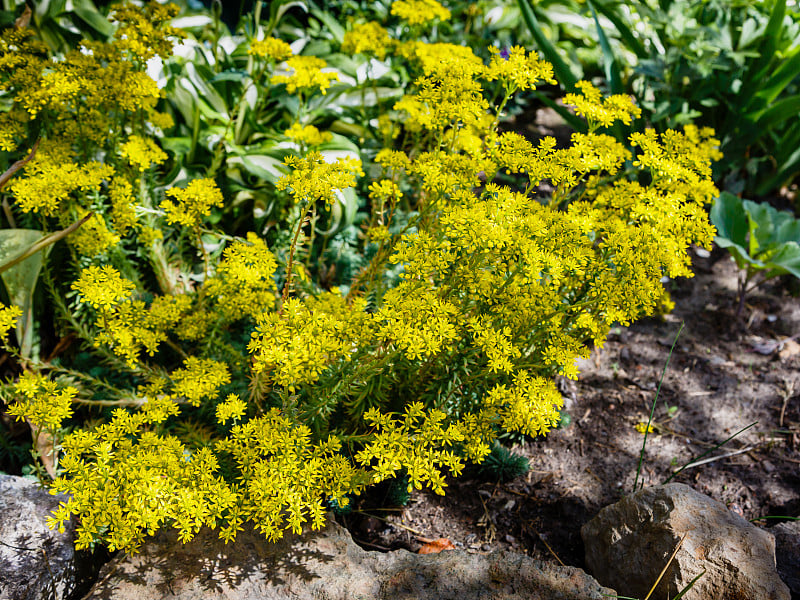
724, 375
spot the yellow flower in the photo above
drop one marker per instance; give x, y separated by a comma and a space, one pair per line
43, 402
644, 428
93, 237
417, 12
309, 135
313, 179
519, 70
102, 287
307, 75
233, 408
142, 153
199, 379
192, 204
271, 48
367, 38
600, 111
8, 319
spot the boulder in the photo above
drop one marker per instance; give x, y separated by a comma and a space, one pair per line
787, 553
328, 565
629, 543
35, 562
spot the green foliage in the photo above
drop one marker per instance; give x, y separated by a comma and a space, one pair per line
292, 266
503, 465
764, 242
731, 66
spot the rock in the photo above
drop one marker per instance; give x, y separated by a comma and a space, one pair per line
629, 543
35, 562
787, 553
328, 565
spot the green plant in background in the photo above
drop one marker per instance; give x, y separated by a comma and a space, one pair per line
764, 242
731, 66
235, 367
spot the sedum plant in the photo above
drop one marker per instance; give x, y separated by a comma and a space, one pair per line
465, 297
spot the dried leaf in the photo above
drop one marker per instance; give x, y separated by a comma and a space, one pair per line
437, 546
790, 349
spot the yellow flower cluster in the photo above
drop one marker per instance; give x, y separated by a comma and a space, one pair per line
418, 12
93, 237
47, 185
418, 442
367, 38
271, 48
142, 153
199, 379
600, 111
192, 204
519, 70
102, 287
45, 403
313, 179
473, 278
232, 409
8, 319
308, 135
307, 75
144, 31
243, 283
296, 346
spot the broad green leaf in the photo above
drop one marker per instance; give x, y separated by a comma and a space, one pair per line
20, 280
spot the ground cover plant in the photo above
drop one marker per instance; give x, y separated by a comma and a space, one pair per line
251, 367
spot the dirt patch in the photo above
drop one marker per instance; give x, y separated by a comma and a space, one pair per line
724, 375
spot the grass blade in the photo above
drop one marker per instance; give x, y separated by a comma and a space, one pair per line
653, 408
563, 73
707, 452
689, 585
610, 63
624, 31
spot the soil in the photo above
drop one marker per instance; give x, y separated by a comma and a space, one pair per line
726, 374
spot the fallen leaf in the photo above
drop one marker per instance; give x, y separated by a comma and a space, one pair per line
437, 546
789, 350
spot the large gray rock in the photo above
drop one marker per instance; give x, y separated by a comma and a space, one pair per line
628, 544
35, 562
787, 553
327, 565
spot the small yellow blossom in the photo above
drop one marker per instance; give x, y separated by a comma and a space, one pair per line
8, 319
519, 70
313, 179
644, 428
271, 48
142, 153
93, 237
199, 379
102, 287
307, 75
45, 403
367, 38
417, 12
309, 135
600, 111
232, 409
192, 204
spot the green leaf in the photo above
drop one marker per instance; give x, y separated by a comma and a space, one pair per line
563, 73
610, 62
20, 280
